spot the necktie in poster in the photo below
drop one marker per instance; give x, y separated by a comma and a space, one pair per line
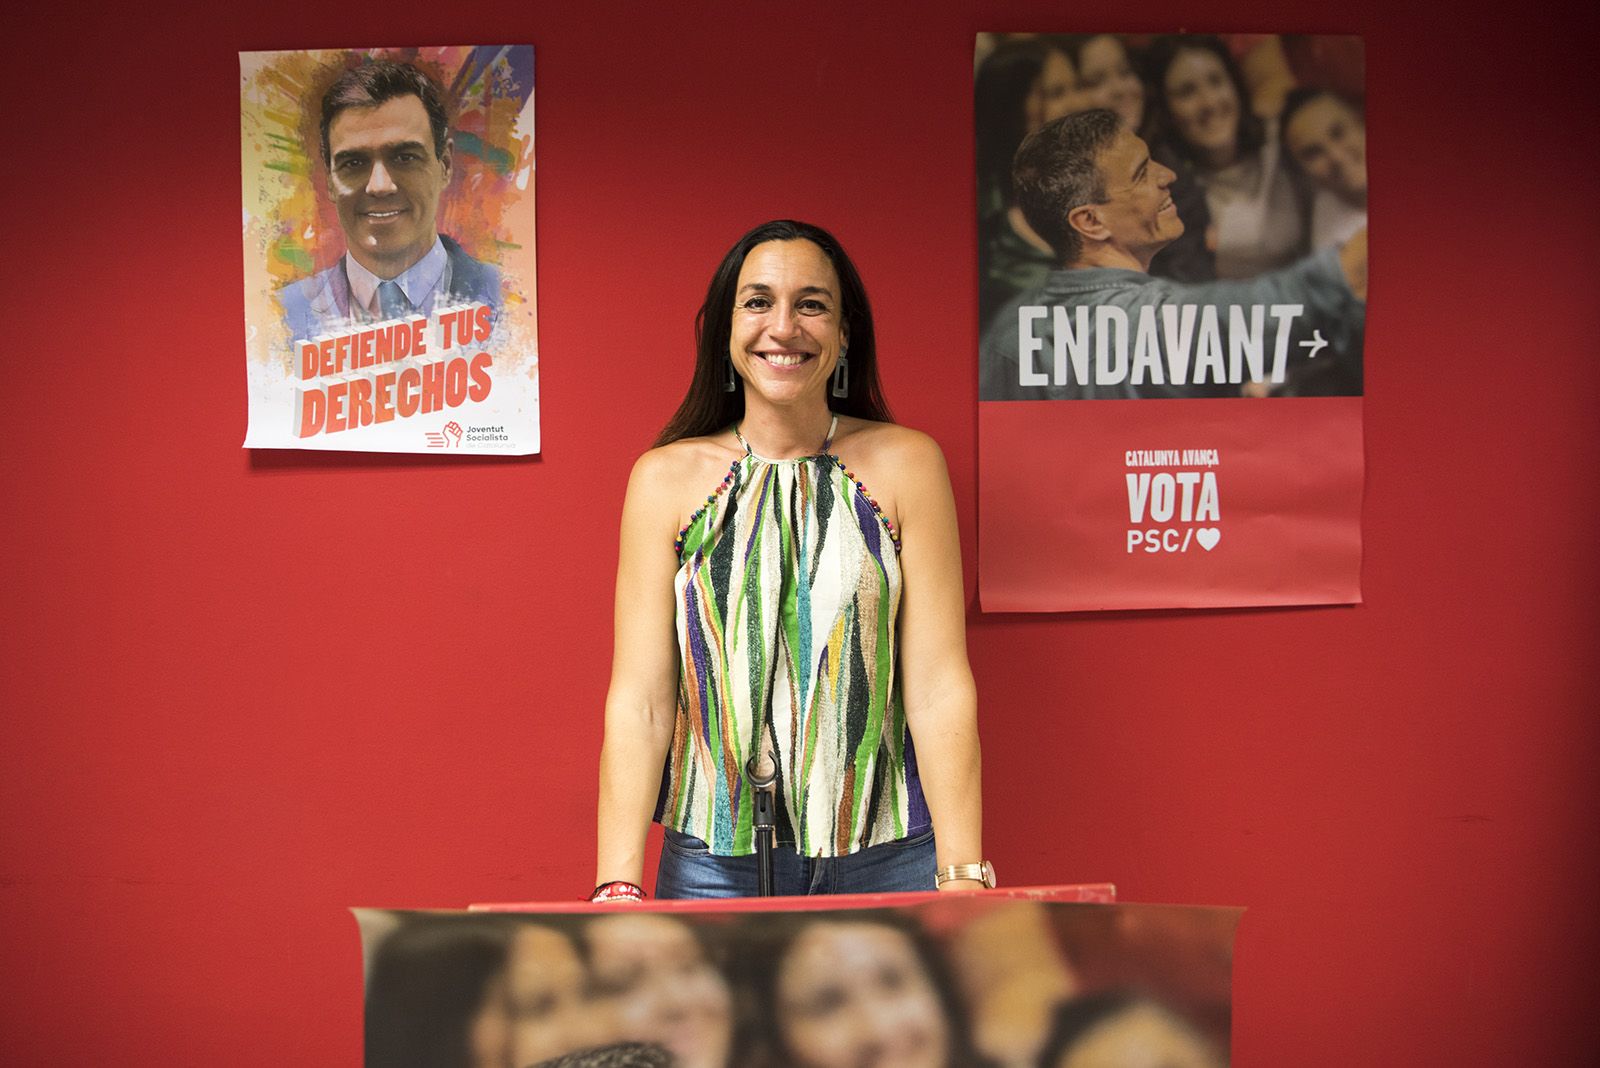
1172, 298
389, 270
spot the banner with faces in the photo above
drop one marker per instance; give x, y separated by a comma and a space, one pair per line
1049, 978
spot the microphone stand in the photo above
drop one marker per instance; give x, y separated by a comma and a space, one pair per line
765, 820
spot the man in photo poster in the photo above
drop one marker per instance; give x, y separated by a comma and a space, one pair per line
386, 144
1101, 327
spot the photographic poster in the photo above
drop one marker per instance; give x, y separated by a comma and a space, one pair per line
1172, 264
1046, 977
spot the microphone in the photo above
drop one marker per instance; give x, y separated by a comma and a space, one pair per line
762, 772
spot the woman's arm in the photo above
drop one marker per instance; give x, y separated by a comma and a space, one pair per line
935, 678
641, 705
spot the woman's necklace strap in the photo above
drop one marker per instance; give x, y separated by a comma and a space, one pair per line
833, 427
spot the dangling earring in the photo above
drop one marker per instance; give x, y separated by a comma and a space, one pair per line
730, 381
841, 375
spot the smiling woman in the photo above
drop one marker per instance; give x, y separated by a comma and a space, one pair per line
1203, 107
656, 975
1326, 136
775, 617
836, 990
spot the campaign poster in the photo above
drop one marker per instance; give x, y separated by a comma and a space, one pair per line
389, 285
925, 981
1172, 265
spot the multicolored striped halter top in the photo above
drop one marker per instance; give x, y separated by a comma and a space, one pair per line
788, 591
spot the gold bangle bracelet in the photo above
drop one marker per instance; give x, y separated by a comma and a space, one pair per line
982, 872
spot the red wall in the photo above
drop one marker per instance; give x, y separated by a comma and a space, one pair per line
243, 691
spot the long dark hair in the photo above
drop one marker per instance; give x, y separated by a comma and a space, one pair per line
1252, 131
709, 407
999, 93
428, 982
763, 944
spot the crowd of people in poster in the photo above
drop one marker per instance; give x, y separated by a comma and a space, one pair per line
976, 984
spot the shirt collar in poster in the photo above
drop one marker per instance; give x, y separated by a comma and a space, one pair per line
419, 282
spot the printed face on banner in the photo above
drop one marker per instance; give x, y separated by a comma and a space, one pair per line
1203, 103
1107, 77
544, 998
653, 977
1186, 248
389, 254
386, 180
933, 984
1328, 138
1050, 96
1137, 216
857, 993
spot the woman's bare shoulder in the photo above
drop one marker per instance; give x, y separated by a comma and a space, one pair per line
687, 465
887, 444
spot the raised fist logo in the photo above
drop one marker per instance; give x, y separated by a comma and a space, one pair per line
449, 438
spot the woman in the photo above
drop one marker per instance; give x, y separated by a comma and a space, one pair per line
1325, 139
549, 1011
798, 620
435, 995
662, 987
478, 993
1201, 105
1020, 87
1108, 78
1326, 136
844, 990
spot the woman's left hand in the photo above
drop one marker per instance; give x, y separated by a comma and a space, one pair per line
941, 702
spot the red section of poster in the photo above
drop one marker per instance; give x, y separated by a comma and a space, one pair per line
1169, 503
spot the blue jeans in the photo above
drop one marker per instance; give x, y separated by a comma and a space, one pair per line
689, 869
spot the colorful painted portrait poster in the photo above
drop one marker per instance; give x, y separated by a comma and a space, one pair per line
903, 979
389, 269
1172, 265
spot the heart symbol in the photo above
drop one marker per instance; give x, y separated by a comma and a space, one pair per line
1208, 537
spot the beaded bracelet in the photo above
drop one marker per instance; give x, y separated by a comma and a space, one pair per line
617, 891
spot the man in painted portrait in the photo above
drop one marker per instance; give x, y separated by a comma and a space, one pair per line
385, 141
